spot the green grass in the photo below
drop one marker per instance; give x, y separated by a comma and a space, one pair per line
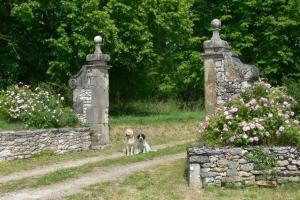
5, 125
159, 119
65, 174
152, 107
169, 182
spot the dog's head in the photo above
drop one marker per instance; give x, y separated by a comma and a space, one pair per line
141, 137
128, 133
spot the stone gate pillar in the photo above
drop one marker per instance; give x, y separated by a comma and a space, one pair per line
90, 94
225, 74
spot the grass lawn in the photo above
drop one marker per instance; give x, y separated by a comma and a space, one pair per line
4, 125
159, 129
169, 182
64, 174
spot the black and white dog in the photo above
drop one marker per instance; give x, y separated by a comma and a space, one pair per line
143, 146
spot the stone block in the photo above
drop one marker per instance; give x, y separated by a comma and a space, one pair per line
231, 172
288, 173
292, 167
5, 153
246, 167
194, 176
222, 163
199, 159
242, 174
287, 179
233, 164
266, 183
295, 162
209, 174
220, 169
282, 163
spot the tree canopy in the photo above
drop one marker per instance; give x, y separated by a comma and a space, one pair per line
155, 45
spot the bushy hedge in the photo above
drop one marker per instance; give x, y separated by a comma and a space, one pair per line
35, 107
261, 115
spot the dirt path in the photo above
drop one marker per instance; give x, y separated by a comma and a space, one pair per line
72, 163
73, 186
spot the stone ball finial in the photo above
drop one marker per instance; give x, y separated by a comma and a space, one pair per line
98, 39
216, 24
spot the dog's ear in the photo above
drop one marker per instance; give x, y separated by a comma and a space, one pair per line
143, 135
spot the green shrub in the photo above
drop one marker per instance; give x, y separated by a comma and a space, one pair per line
35, 107
260, 115
293, 89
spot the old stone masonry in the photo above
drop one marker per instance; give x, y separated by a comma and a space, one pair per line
91, 94
220, 166
225, 73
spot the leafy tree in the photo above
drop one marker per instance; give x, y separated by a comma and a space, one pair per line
264, 33
155, 45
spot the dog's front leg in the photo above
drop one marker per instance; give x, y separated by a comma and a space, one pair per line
127, 151
131, 150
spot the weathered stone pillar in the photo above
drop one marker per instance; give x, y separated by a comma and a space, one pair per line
90, 95
225, 74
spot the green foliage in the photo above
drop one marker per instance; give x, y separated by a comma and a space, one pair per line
36, 108
264, 33
293, 89
260, 115
155, 45
261, 160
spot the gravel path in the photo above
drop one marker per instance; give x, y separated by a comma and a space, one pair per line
73, 163
73, 186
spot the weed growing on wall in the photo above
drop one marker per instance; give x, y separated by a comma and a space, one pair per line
260, 115
35, 107
261, 160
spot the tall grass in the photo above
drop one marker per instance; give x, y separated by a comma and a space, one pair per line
152, 107
154, 112
6, 125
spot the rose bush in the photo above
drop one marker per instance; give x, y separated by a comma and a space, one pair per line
35, 107
260, 115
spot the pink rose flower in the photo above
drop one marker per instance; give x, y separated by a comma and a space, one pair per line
246, 128
234, 110
232, 138
292, 113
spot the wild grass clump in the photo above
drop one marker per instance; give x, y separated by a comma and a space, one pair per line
35, 107
261, 115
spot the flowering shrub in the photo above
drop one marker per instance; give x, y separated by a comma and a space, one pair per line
36, 108
260, 115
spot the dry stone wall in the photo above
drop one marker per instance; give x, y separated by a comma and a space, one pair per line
23, 144
221, 166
